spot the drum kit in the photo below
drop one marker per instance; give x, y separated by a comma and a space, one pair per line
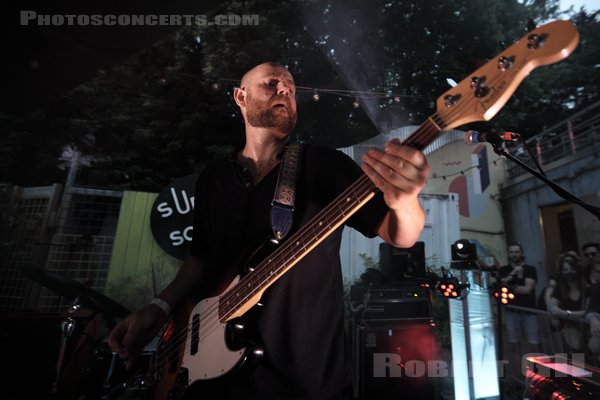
88, 369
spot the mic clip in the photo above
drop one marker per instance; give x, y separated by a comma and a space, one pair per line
474, 137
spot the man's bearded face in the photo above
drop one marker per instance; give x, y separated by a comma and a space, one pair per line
276, 113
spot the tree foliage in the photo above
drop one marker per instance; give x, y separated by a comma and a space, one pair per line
160, 114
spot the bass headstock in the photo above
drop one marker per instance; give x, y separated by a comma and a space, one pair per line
484, 92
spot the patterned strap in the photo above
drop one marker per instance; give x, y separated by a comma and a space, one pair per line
282, 207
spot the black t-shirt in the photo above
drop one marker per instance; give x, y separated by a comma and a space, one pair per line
301, 324
521, 300
594, 296
566, 302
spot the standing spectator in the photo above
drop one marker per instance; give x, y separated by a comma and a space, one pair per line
543, 304
592, 317
522, 278
543, 300
591, 255
568, 302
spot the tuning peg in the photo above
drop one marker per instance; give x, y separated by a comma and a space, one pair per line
502, 45
257, 353
530, 25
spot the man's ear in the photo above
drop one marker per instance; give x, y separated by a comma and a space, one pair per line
239, 96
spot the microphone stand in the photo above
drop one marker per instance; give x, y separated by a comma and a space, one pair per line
67, 327
556, 188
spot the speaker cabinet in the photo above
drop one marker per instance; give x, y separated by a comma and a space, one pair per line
383, 303
402, 264
394, 361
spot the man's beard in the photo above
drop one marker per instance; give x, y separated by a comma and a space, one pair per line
261, 116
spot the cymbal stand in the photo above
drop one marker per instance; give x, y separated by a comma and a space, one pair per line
67, 327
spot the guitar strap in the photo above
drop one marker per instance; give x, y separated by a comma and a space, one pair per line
282, 206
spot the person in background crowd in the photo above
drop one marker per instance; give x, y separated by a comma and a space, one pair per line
522, 278
569, 299
591, 255
592, 317
543, 300
544, 304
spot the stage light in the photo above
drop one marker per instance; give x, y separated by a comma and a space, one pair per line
504, 294
464, 254
450, 287
464, 250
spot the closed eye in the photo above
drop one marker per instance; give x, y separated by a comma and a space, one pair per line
290, 84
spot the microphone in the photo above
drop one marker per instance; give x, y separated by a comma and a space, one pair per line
474, 137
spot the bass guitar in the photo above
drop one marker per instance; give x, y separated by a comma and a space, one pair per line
197, 344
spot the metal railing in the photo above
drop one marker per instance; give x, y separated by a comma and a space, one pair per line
554, 342
553, 337
575, 137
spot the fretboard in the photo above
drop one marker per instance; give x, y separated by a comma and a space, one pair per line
249, 289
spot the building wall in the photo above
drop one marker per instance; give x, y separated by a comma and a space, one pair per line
441, 228
587, 225
525, 196
454, 170
139, 268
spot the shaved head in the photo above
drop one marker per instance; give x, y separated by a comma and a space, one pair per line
267, 97
248, 75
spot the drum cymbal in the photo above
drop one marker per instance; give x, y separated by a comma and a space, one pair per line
72, 289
